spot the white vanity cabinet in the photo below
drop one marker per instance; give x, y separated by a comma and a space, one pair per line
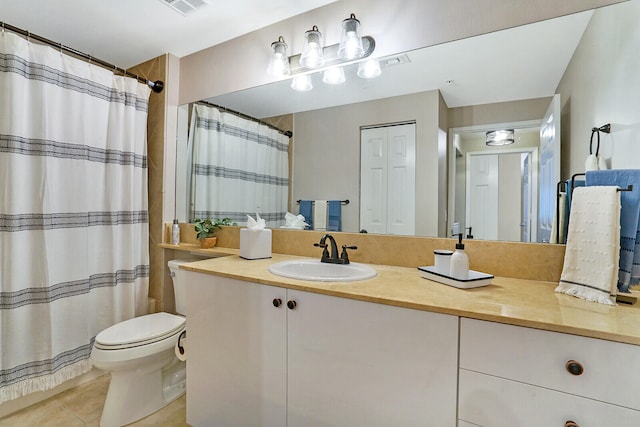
511, 375
315, 360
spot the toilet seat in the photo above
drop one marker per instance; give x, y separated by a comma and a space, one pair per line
140, 331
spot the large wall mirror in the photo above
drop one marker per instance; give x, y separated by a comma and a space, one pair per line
454, 93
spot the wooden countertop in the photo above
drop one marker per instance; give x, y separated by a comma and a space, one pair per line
512, 301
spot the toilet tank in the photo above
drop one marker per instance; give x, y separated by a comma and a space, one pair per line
179, 290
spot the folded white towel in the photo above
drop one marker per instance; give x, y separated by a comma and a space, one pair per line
590, 269
320, 215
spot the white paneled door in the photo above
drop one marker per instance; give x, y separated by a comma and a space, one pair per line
549, 168
387, 179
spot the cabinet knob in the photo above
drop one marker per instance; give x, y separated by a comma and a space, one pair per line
277, 302
571, 424
291, 304
574, 368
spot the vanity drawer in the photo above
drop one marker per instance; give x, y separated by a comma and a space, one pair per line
542, 358
488, 401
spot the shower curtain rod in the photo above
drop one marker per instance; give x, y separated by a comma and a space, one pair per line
156, 86
244, 116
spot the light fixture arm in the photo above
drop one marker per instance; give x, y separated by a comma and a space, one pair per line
331, 56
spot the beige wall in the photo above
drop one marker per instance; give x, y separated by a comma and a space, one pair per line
601, 85
499, 112
326, 153
397, 26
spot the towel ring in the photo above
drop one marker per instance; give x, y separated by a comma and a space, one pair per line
594, 131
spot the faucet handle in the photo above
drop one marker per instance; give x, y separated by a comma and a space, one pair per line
344, 255
325, 251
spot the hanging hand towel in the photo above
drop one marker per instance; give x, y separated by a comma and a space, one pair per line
306, 210
576, 183
320, 215
629, 217
335, 215
590, 267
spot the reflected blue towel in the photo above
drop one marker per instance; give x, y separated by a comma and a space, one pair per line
335, 215
567, 212
629, 218
306, 210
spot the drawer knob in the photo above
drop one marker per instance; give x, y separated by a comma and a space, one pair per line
277, 302
574, 368
571, 424
291, 304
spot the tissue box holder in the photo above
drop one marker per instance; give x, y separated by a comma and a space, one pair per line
255, 244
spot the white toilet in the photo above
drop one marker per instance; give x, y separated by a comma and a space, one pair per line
146, 375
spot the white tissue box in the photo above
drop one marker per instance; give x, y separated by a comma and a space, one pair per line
255, 244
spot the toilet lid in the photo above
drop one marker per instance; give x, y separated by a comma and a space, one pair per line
141, 330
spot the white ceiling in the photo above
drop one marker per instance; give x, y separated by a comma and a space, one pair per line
128, 32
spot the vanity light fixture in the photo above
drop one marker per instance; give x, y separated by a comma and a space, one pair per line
369, 69
500, 137
279, 61
312, 50
350, 40
314, 56
301, 83
334, 76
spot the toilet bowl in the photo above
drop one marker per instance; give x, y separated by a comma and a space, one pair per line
146, 375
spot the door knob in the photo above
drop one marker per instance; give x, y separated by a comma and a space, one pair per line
277, 302
291, 304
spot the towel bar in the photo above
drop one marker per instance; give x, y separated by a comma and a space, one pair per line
344, 202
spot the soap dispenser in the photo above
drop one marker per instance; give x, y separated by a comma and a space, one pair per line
459, 261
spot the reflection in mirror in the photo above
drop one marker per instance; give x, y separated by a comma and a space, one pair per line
488, 206
477, 84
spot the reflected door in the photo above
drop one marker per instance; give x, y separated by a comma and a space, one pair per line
482, 195
549, 168
387, 179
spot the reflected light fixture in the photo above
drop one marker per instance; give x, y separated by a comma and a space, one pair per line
333, 76
312, 49
369, 69
350, 40
500, 137
279, 61
301, 83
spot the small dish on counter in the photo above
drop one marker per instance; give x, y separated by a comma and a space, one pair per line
476, 279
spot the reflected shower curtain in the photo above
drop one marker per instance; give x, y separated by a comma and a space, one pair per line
74, 255
239, 167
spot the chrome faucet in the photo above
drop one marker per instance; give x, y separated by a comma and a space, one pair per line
332, 257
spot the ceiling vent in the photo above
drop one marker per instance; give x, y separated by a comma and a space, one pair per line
185, 6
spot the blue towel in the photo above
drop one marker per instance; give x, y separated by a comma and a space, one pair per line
306, 210
629, 218
335, 215
567, 212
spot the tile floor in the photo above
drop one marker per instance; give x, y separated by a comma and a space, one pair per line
82, 406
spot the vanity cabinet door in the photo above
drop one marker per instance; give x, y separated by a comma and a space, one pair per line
354, 363
236, 348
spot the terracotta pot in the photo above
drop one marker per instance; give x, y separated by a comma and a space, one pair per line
208, 242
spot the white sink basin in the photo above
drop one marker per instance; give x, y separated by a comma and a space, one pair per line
317, 271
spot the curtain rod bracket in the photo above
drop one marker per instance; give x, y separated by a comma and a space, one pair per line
156, 86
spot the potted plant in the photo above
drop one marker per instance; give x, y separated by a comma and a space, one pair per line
206, 230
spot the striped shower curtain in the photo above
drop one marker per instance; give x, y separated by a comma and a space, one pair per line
74, 255
239, 167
